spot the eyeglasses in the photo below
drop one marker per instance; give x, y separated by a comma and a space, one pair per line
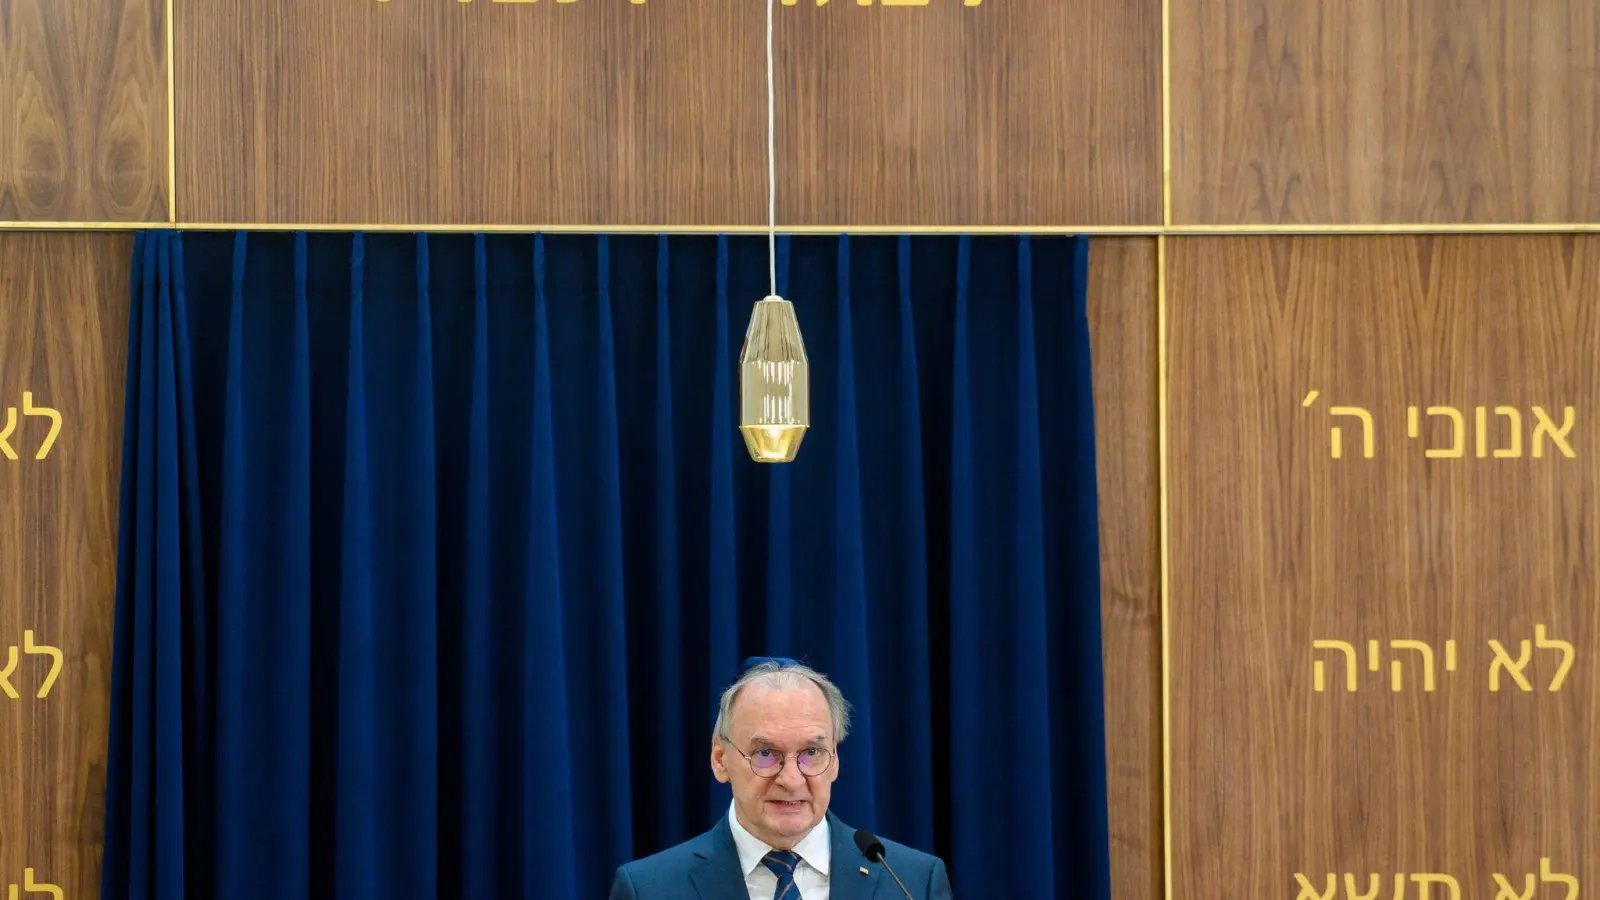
767, 762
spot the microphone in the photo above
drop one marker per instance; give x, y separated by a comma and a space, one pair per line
872, 849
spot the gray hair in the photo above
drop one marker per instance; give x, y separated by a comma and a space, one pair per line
787, 674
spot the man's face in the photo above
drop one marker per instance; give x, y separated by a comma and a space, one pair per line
782, 809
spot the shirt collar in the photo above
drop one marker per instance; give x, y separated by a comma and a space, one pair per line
814, 849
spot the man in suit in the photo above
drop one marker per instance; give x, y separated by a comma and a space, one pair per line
776, 742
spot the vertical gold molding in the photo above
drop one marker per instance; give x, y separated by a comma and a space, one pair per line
1166, 578
172, 113
1166, 113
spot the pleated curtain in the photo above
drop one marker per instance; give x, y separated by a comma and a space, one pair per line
436, 550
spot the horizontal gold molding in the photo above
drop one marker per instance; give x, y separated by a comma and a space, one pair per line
82, 226
1148, 230
690, 229
579, 229
1408, 228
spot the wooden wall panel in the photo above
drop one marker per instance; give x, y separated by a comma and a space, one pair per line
1122, 323
1011, 112
1275, 544
83, 111
1385, 111
64, 340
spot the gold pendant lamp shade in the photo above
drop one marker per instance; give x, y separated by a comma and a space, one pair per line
774, 383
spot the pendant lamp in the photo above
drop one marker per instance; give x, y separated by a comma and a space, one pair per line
774, 376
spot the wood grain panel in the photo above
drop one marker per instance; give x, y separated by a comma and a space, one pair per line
1275, 544
1122, 323
1385, 111
83, 111
1022, 112
64, 339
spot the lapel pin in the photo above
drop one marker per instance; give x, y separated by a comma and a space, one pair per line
864, 871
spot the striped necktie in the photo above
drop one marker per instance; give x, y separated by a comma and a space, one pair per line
783, 863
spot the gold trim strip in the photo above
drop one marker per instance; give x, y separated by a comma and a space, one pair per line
1161, 432
172, 117
84, 226
1397, 228
1163, 484
686, 229
1134, 230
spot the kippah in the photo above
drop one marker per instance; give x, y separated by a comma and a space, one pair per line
754, 661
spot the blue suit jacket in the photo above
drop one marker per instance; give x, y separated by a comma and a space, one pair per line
707, 868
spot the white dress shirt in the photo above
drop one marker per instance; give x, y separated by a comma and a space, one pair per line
810, 877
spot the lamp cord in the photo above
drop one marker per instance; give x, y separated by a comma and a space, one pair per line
772, 187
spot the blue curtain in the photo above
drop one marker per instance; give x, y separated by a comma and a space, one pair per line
435, 551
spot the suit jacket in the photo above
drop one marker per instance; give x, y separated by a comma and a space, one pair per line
707, 868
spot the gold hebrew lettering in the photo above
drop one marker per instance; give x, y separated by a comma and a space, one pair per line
11, 426
1507, 893
1336, 434
1567, 654
1543, 425
1481, 432
1425, 879
56, 660
28, 409
1350, 887
32, 887
1515, 450
1458, 447
1374, 654
1458, 425
5, 674
1549, 877
1318, 676
1450, 655
1502, 660
1427, 663
1366, 430
1307, 892
11, 892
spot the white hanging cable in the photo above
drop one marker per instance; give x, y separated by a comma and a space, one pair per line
772, 186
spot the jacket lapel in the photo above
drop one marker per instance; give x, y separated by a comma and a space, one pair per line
846, 882
717, 877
